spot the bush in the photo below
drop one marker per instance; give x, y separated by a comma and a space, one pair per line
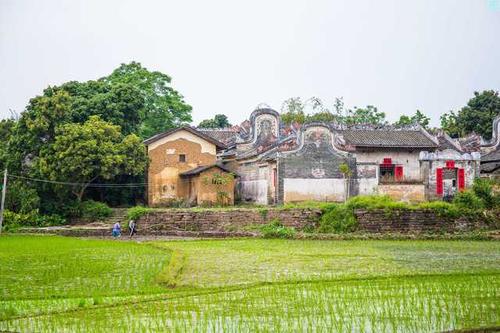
445, 209
136, 212
468, 200
13, 221
483, 189
375, 202
94, 210
21, 198
338, 219
275, 229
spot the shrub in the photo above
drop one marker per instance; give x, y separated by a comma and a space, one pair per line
95, 210
375, 202
338, 219
50, 220
483, 189
442, 208
136, 212
275, 229
13, 221
468, 200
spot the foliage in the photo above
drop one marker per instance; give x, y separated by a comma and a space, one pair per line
137, 212
276, 229
442, 208
21, 198
449, 124
121, 104
219, 121
338, 219
6, 127
477, 116
368, 115
164, 107
417, 118
370, 202
93, 150
483, 189
13, 221
94, 210
468, 200
292, 111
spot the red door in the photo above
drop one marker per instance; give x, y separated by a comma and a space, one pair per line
398, 173
461, 179
439, 181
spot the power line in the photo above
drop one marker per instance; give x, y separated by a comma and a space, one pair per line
97, 185
92, 185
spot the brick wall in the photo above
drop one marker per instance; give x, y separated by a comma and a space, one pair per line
223, 221
232, 222
414, 221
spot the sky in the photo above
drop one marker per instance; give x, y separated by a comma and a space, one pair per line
230, 56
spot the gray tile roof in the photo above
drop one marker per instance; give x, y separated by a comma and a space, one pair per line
492, 156
226, 135
387, 138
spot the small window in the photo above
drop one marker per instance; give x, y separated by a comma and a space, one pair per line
387, 171
182, 158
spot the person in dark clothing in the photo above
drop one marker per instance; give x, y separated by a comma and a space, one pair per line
132, 228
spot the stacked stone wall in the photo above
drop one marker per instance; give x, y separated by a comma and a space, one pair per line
412, 221
224, 221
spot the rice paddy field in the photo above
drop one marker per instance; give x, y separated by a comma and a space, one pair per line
57, 284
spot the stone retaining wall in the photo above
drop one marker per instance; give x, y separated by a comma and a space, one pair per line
411, 221
224, 221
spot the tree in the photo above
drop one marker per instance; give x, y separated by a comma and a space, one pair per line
417, 118
367, 115
6, 127
449, 124
121, 103
347, 174
82, 153
477, 116
292, 111
219, 121
164, 107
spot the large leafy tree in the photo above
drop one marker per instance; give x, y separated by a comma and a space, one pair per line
120, 104
477, 116
418, 118
96, 149
164, 107
219, 121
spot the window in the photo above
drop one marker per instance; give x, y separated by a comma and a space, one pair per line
390, 172
386, 170
182, 158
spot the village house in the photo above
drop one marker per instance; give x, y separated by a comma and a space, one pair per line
275, 163
184, 168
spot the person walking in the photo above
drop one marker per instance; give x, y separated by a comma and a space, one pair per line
132, 228
117, 230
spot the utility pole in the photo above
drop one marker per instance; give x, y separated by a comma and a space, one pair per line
2, 204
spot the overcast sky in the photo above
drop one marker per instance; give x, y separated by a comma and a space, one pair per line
229, 56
